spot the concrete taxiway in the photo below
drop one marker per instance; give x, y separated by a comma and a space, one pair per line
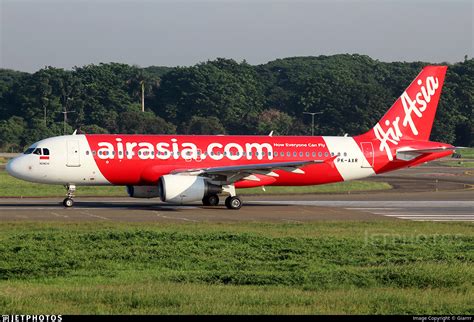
427, 193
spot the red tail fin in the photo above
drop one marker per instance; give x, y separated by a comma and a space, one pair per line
412, 115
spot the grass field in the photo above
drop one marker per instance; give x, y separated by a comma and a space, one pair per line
467, 153
325, 267
463, 164
13, 187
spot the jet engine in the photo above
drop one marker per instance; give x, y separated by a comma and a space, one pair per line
182, 189
143, 191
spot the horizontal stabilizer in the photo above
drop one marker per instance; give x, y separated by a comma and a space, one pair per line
408, 154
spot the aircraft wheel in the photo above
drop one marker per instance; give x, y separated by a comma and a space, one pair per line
234, 203
68, 202
205, 201
212, 200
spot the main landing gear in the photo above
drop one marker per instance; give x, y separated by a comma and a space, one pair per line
68, 201
231, 202
211, 200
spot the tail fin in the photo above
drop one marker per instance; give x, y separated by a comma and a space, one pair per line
411, 116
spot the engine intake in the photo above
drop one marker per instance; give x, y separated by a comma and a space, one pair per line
182, 189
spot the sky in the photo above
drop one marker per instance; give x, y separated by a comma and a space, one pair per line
68, 33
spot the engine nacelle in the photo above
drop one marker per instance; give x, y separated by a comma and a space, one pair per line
143, 191
182, 189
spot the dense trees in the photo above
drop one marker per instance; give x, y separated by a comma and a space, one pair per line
223, 96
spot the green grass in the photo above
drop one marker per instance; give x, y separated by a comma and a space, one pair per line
325, 267
463, 164
466, 153
12, 187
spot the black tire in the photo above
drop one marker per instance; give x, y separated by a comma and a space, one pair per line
233, 203
205, 201
68, 202
213, 200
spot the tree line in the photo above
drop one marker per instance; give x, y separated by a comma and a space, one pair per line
224, 97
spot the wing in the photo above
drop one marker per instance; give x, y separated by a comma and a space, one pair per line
231, 174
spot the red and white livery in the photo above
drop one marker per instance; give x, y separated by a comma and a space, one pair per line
188, 168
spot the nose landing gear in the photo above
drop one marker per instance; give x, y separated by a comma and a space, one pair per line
68, 201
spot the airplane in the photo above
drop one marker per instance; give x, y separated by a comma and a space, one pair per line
183, 169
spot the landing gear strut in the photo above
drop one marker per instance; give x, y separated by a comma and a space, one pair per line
211, 200
68, 201
232, 201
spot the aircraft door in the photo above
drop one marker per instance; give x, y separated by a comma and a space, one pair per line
368, 151
73, 155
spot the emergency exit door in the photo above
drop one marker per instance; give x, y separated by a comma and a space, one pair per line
73, 155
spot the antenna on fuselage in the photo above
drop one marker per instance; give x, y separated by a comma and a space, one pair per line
74, 133
271, 133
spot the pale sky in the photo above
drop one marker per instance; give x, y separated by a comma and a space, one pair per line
36, 33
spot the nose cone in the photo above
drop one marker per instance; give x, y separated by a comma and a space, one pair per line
16, 168
12, 168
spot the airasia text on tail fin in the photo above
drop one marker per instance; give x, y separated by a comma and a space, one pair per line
411, 116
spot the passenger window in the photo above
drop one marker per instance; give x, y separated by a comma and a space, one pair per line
314, 154
307, 154
282, 154
294, 154
301, 154
288, 154
93, 152
87, 152
326, 154
320, 154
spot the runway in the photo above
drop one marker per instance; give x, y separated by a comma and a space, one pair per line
426, 193
283, 210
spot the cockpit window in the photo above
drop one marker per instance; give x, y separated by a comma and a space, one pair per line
29, 151
45, 151
37, 151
